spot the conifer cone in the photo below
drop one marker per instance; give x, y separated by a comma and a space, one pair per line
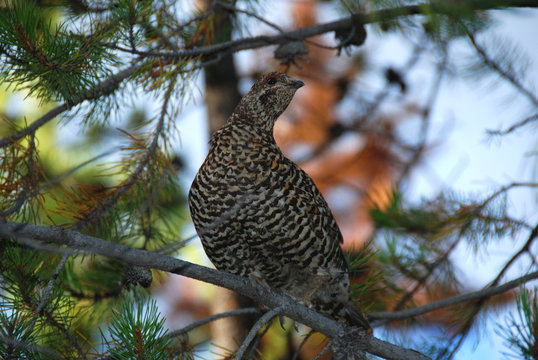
259, 215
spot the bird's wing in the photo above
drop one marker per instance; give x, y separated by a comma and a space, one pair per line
319, 215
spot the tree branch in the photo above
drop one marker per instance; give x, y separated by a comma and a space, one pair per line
514, 126
52, 235
128, 183
476, 295
105, 87
198, 323
259, 41
15, 343
341, 24
266, 318
499, 69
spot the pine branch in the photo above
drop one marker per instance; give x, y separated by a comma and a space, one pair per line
421, 281
249, 13
476, 295
319, 29
110, 84
28, 181
105, 87
14, 343
466, 327
357, 339
134, 177
48, 289
499, 69
525, 248
504, 189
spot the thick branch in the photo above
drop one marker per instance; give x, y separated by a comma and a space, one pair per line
341, 24
29, 234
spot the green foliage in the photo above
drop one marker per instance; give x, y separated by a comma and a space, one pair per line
137, 332
417, 241
65, 325
131, 18
413, 220
366, 276
521, 330
17, 341
51, 62
445, 20
442, 20
447, 216
26, 332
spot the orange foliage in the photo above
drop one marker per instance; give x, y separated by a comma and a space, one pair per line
364, 169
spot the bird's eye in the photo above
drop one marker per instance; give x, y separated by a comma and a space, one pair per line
271, 80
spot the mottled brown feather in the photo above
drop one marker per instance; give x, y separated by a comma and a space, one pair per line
259, 215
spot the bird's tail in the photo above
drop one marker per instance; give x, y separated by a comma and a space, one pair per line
356, 317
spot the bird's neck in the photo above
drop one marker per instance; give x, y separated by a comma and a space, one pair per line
263, 130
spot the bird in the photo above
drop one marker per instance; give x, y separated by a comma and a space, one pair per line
259, 215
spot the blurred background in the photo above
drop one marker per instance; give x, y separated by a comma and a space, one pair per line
398, 110
405, 124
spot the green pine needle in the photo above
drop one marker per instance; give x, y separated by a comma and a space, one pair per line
521, 331
137, 332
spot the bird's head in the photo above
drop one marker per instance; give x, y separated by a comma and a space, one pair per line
266, 100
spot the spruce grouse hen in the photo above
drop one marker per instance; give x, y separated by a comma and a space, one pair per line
259, 215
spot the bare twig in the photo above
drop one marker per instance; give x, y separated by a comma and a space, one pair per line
48, 289
503, 190
532, 236
370, 110
256, 341
178, 244
420, 282
514, 127
475, 295
201, 322
426, 118
265, 319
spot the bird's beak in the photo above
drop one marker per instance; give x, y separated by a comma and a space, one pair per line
296, 83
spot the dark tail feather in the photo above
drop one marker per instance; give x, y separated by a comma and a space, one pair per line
356, 317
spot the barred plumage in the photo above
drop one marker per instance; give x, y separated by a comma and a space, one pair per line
259, 215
